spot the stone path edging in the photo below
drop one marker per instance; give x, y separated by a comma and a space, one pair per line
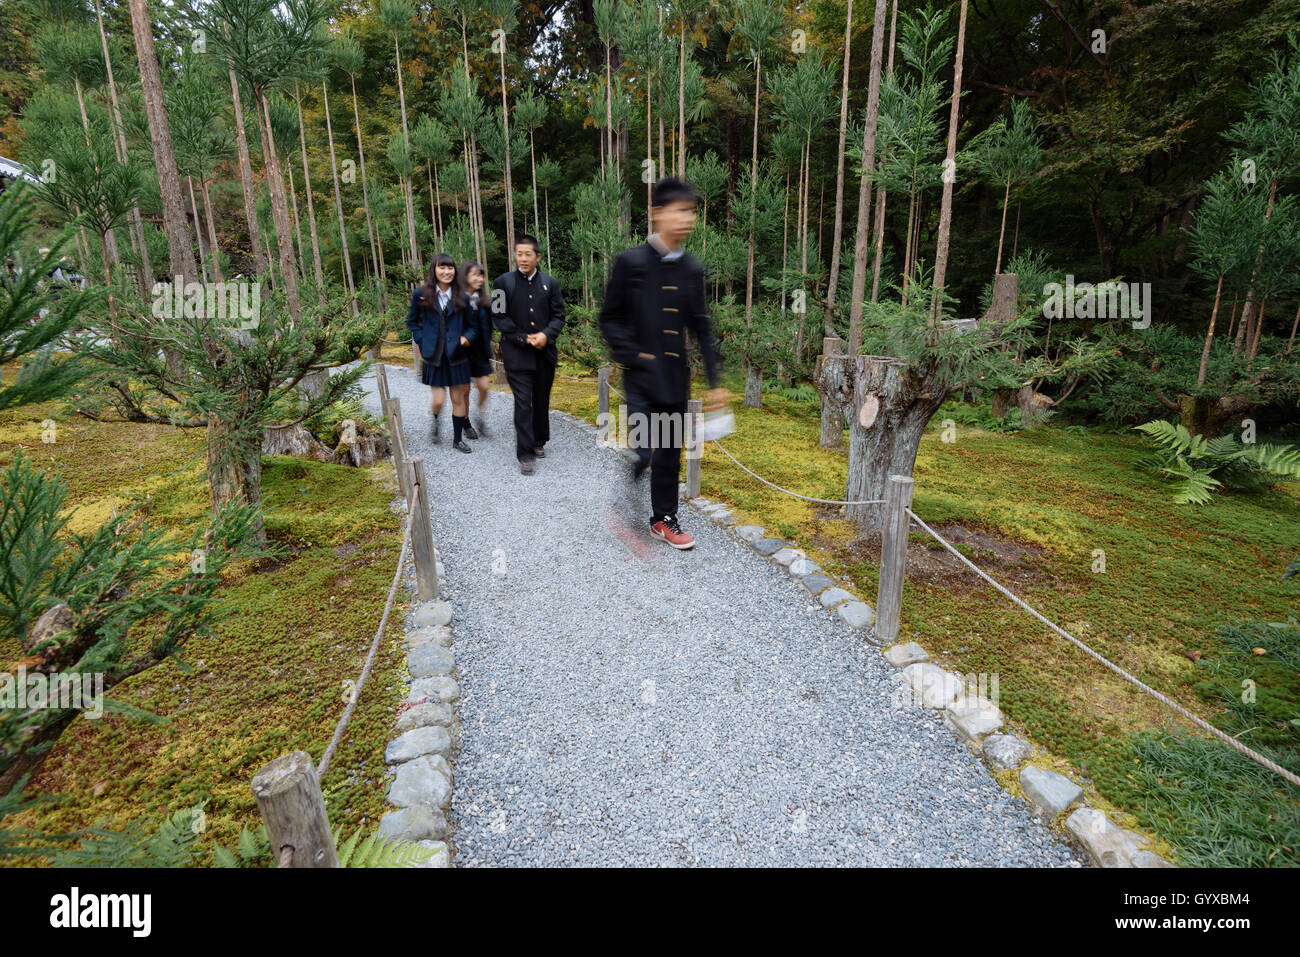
972, 719
419, 755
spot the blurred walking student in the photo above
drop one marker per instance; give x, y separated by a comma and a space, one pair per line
445, 325
530, 322
474, 278
654, 295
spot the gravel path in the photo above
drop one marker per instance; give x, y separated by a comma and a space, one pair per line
623, 703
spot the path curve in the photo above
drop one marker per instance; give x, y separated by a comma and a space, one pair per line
623, 703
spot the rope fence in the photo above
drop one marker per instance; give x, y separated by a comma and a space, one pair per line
287, 790
1172, 705
355, 694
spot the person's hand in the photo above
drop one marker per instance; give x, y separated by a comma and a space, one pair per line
539, 340
464, 341
715, 399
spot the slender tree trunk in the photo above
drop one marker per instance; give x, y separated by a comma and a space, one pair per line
160, 135
198, 230
1259, 328
753, 375
375, 254
437, 194
109, 240
649, 155
212, 232
505, 125
879, 245
681, 110
136, 222
1002, 230
546, 198
832, 280
406, 144
1209, 335
864, 187
311, 204
945, 205
279, 212
297, 223
338, 200
1294, 324
246, 178
1015, 241
881, 196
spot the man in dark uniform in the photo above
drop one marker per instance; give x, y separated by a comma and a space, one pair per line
529, 311
654, 295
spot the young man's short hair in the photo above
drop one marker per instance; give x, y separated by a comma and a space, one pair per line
527, 240
670, 189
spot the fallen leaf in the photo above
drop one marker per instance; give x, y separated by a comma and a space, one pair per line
1259, 651
1194, 655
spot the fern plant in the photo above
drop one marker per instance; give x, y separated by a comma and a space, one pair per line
1199, 466
374, 850
172, 844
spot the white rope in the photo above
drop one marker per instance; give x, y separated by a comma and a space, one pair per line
1199, 722
374, 647
806, 498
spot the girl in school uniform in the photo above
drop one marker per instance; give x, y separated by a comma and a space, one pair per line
446, 325
474, 278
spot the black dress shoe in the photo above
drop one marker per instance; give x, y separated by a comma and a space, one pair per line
469, 432
462, 446
539, 452
527, 466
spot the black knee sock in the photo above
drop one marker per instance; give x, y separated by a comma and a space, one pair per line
458, 424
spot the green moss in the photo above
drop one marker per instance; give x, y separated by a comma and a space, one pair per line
270, 679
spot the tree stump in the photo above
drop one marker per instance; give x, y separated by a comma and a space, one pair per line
359, 444
892, 403
836, 390
295, 440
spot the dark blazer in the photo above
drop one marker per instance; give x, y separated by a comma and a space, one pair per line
437, 332
482, 349
642, 312
536, 306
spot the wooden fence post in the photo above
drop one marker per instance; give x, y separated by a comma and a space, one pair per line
426, 563
392, 410
381, 382
693, 408
415, 358
498, 372
894, 526
289, 799
602, 392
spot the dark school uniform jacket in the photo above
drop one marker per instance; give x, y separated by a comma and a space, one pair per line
531, 305
649, 304
482, 344
438, 331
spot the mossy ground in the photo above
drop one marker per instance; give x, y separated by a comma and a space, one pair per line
1036, 509
271, 677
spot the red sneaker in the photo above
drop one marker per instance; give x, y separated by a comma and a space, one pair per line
668, 529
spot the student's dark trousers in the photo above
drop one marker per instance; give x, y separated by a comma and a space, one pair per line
532, 389
661, 439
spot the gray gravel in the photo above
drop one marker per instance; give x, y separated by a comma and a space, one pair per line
623, 703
